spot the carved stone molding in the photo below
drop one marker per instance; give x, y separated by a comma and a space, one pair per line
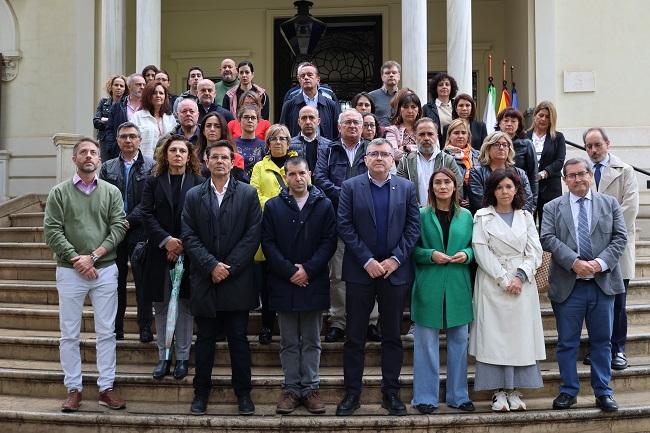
10, 62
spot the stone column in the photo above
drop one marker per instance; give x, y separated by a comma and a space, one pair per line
147, 37
5, 156
111, 51
64, 143
414, 46
459, 43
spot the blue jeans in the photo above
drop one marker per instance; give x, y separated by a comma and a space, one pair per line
586, 302
426, 366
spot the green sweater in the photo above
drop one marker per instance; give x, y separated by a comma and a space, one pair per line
77, 224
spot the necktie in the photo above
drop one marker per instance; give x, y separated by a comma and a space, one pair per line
597, 174
584, 240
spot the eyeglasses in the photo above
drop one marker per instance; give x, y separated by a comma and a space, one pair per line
282, 139
501, 145
578, 175
351, 122
375, 154
249, 118
129, 136
369, 125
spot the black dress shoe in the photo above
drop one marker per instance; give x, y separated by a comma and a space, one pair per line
468, 406
373, 333
587, 359
606, 403
348, 405
564, 401
199, 406
180, 369
162, 369
619, 361
145, 335
245, 405
265, 336
426, 409
334, 334
393, 404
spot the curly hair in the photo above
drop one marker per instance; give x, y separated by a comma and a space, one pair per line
160, 156
433, 88
489, 199
111, 80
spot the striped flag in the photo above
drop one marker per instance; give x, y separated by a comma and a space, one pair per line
505, 98
489, 114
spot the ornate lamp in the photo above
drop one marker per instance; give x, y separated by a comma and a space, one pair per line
302, 32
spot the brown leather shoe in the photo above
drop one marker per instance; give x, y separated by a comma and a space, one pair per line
110, 399
313, 402
72, 402
288, 403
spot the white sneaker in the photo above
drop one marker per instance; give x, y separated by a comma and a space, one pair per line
500, 402
515, 401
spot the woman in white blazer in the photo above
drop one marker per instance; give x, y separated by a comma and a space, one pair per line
506, 337
155, 117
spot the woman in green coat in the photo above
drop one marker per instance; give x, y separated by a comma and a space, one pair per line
442, 295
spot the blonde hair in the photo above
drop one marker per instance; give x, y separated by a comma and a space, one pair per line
552, 116
455, 124
484, 156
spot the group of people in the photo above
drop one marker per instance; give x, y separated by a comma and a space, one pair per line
360, 212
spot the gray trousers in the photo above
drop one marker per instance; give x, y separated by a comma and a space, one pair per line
337, 291
182, 334
300, 350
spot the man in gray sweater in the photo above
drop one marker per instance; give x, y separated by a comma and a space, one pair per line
84, 222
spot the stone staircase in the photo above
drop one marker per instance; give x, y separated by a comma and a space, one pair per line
31, 380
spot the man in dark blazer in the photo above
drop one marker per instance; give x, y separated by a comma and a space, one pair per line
221, 232
378, 219
585, 232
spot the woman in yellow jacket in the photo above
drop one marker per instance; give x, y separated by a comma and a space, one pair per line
268, 178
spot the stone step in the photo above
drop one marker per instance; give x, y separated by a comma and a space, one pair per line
27, 219
21, 234
45, 317
134, 382
44, 346
42, 292
642, 249
29, 415
25, 251
43, 270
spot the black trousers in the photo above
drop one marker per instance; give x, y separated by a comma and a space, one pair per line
259, 273
145, 311
235, 325
359, 301
619, 328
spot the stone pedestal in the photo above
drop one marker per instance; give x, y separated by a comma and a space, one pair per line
459, 43
64, 143
414, 46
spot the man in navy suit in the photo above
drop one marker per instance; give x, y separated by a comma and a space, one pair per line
378, 220
585, 233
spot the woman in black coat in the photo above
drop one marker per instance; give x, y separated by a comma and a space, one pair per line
511, 121
116, 89
176, 171
550, 149
464, 107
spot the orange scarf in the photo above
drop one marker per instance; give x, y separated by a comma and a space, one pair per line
467, 162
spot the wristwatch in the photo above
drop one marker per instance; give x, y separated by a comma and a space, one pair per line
94, 257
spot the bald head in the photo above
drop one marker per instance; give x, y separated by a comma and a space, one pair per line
308, 120
228, 70
205, 92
